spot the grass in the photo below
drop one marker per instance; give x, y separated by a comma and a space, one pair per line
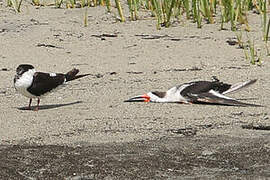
167, 11
16, 4
85, 19
240, 42
58, 3
251, 52
108, 5
36, 2
133, 9
201, 12
120, 11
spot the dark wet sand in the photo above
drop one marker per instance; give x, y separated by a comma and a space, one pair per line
203, 157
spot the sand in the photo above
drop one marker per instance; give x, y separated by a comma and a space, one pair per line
138, 58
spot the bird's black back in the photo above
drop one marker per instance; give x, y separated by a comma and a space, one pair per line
44, 82
199, 87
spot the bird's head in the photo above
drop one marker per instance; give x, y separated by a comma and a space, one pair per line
22, 68
155, 96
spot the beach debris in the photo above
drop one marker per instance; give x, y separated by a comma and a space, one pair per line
168, 37
232, 42
134, 45
207, 152
3, 30
134, 72
256, 127
3, 92
233, 67
185, 69
205, 126
147, 36
98, 75
112, 73
184, 131
104, 35
48, 46
36, 22
4, 69
79, 64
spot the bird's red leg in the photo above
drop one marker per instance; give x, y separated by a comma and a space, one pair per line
38, 101
29, 106
186, 102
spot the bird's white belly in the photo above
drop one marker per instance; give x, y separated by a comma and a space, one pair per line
176, 98
24, 92
24, 82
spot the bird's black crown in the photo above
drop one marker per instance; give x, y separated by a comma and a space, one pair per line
23, 68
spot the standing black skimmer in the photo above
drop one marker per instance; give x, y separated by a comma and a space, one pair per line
209, 92
34, 84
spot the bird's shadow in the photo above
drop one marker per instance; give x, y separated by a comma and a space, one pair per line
51, 106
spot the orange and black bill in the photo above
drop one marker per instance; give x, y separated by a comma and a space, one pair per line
141, 98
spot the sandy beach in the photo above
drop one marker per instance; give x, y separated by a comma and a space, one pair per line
86, 131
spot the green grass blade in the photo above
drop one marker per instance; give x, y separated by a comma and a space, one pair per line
120, 11
170, 13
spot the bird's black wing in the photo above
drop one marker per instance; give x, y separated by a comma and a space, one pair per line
45, 82
199, 87
210, 92
217, 98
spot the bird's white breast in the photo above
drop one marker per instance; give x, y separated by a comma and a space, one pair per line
25, 81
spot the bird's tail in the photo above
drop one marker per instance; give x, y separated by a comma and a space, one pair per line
239, 86
71, 75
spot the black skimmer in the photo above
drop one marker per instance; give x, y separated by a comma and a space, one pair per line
202, 92
34, 84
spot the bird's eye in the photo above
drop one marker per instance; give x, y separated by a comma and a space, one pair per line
19, 71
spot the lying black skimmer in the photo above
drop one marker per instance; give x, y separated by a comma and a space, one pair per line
34, 84
209, 92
